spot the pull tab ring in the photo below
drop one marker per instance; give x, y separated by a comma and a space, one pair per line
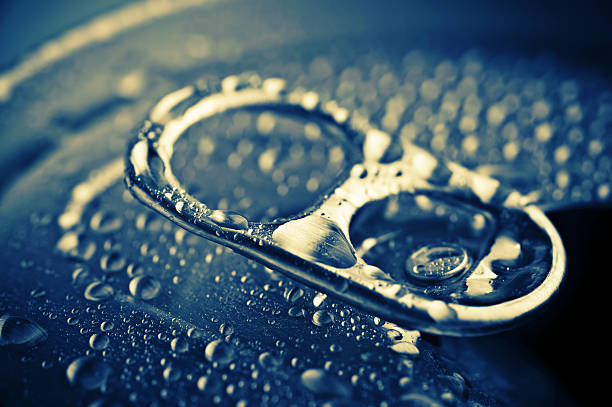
315, 248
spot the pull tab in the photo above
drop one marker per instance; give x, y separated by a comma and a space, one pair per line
464, 254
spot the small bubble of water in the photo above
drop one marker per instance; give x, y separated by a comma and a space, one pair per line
106, 326
37, 292
202, 382
98, 291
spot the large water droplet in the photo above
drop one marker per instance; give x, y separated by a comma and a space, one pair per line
134, 270
172, 374
107, 326
112, 262
98, 291
88, 372
76, 246
456, 384
323, 383
20, 332
293, 294
105, 221
322, 318
229, 219
269, 361
179, 345
99, 341
219, 352
80, 275
145, 287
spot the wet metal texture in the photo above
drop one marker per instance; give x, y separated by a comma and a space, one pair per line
373, 175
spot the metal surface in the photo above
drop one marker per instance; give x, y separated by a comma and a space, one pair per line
314, 246
103, 302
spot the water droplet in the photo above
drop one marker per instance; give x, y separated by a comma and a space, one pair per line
20, 332
296, 312
112, 262
406, 367
268, 361
99, 341
79, 276
179, 345
335, 348
88, 372
418, 400
434, 263
323, 383
134, 270
202, 382
106, 326
229, 219
322, 318
456, 384
226, 329
219, 351
172, 374
105, 221
293, 294
37, 292
319, 299
148, 221
76, 246
144, 287
98, 291
195, 333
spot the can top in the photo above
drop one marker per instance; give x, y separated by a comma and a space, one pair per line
466, 255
